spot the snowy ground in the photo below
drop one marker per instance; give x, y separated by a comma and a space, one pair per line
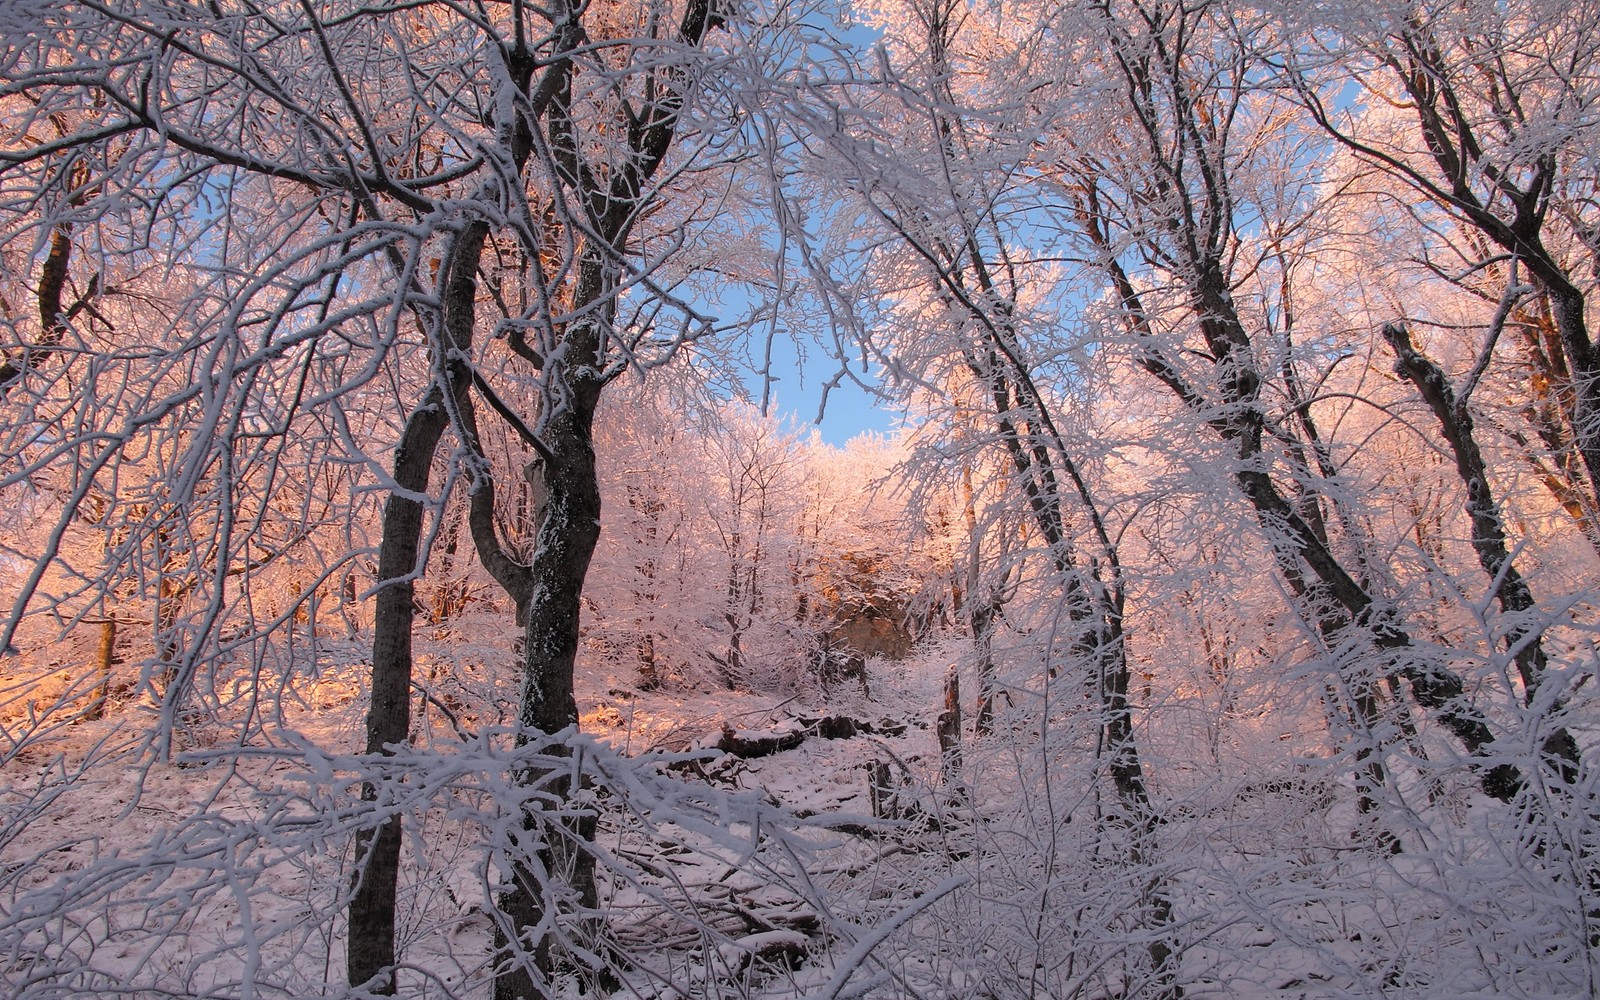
186, 874
220, 871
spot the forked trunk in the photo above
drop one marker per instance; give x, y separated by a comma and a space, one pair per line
569, 530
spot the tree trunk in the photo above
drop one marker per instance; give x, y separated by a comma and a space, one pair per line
565, 478
1043, 465
1550, 411
1444, 108
983, 606
1241, 422
1488, 532
104, 654
52, 320
370, 955
567, 537
572, 378
948, 729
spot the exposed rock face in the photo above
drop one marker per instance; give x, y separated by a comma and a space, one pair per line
871, 634
868, 609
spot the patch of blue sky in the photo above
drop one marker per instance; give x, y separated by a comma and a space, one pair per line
810, 389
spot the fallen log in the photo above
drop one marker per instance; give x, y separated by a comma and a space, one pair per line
787, 948
749, 743
843, 727
746, 743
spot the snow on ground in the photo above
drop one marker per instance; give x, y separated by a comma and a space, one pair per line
224, 866
93, 817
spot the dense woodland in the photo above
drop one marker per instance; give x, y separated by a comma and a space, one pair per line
411, 587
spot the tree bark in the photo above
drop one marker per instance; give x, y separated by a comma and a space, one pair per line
948, 729
567, 536
1240, 421
1510, 211
49, 295
1042, 466
572, 381
370, 955
105, 653
1551, 412
1488, 532
982, 607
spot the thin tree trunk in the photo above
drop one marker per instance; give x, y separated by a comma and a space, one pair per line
370, 955
948, 729
983, 606
983, 617
650, 509
1488, 532
49, 295
104, 654
1040, 458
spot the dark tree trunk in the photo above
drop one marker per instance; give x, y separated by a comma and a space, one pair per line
569, 530
1511, 214
1043, 467
1551, 412
370, 955
52, 320
613, 196
948, 729
1240, 421
1488, 531
1434, 686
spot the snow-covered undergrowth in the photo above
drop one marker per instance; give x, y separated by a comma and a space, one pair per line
223, 870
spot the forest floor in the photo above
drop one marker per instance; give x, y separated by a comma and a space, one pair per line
781, 875
91, 813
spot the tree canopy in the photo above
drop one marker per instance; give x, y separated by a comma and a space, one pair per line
387, 463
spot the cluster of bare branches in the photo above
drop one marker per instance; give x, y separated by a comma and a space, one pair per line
1253, 425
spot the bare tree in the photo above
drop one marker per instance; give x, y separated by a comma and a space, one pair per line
1170, 199
1496, 100
948, 213
539, 135
1511, 590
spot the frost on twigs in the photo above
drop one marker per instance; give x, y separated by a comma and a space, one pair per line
245, 893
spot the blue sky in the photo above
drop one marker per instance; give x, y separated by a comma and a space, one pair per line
797, 395
850, 411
